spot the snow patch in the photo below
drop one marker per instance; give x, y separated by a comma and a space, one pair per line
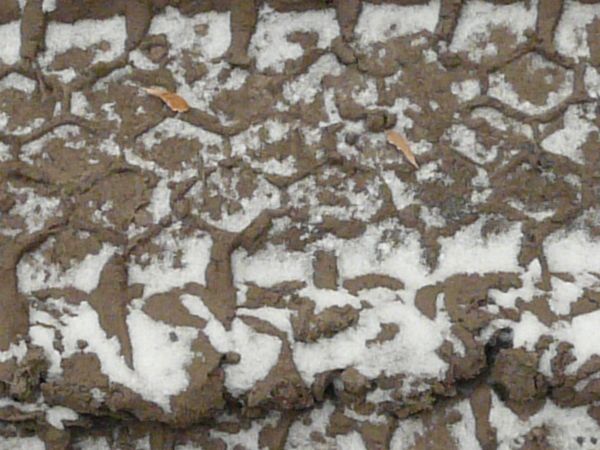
158, 361
477, 20
577, 127
259, 352
411, 351
299, 435
18, 82
499, 121
160, 205
160, 273
21, 443
270, 266
207, 33
284, 168
244, 438
564, 425
406, 433
570, 36
269, 44
464, 252
367, 96
16, 351
326, 298
42, 333
80, 105
92, 444
34, 272
592, 81
464, 140
432, 217
378, 23
527, 331
402, 194
48, 5
84, 34
463, 432
34, 209
306, 86
466, 90
467, 251
10, 36
68, 133
507, 299
57, 414
350, 441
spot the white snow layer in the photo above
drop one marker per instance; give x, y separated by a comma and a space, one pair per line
269, 44
567, 141
161, 273
159, 362
477, 20
35, 273
10, 36
465, 252
21, 443
84, 34
378, 23
570, 36
258, 352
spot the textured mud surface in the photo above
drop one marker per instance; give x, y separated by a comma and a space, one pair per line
264, 270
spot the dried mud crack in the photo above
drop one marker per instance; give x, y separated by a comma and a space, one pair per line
263, 269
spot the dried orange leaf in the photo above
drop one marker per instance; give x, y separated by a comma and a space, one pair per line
173, 101
156, 91
402, 144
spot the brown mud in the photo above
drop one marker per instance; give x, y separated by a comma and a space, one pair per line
206, 410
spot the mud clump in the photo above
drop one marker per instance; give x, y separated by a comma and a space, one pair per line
309, 327
22, 380
515, 376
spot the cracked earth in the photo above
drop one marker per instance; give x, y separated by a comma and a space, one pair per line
265, 271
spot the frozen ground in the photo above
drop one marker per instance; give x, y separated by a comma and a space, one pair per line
265, 270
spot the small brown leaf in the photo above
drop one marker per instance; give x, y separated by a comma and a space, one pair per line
173, 101
402, 144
